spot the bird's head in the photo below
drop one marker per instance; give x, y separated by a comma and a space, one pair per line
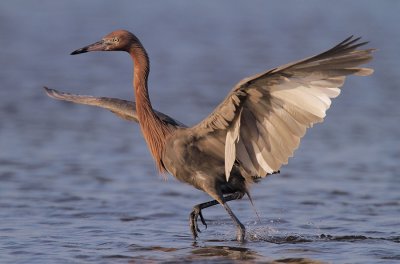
119, 40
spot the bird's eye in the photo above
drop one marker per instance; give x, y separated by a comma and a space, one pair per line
115, 39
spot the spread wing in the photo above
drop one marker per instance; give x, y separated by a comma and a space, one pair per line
263, 118
122, 108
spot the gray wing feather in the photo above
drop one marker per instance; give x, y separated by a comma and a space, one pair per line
122, 108
265, 115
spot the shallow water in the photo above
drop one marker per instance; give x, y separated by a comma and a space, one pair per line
77, 185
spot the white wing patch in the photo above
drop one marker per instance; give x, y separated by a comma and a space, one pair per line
273, 121
232, 137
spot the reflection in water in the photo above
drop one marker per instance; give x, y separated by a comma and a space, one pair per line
215, 254
239, 253
297, 261
244, 253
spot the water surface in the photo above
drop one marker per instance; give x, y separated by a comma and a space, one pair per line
77, 185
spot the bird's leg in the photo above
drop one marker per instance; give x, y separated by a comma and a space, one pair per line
241, 231
196, 212
194, 215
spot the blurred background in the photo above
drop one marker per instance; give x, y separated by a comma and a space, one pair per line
78, 185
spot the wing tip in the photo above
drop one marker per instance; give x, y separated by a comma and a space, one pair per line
364, 72
52, 92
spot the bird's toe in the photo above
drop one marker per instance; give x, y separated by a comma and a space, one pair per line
193, 218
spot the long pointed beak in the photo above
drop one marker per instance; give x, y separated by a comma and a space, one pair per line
98, 46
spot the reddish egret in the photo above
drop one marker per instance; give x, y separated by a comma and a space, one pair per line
254, 130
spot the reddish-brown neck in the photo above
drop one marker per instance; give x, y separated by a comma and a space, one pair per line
154, 130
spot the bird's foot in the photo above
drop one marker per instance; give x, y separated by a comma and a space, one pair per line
194, 216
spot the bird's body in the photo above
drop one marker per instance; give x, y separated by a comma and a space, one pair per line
186, 153
252, 133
